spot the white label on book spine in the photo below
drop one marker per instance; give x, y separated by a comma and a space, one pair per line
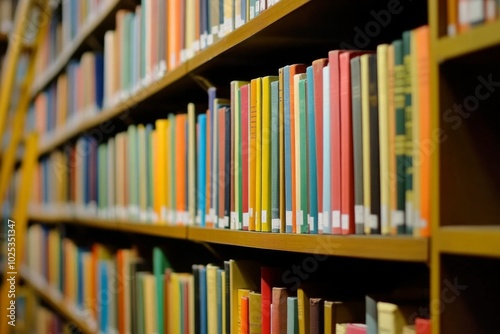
373, 221
367, 219
359, 214
476, 11
276, 224
463, 12
154, 217
327, 227
234, 220
226, 222
300, 217
311, 222
409, 214
264, 216
336, 219
210, 39
398, 218
246, 218
252, 12
384, 213
143, 216
345, 222
289, 219
320, 222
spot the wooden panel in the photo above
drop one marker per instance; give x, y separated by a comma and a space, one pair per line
469, 240
476, 39
372, 247
85, 324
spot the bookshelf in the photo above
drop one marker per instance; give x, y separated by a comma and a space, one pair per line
465, 184
75, 321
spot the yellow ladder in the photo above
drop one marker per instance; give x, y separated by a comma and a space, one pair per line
32, 17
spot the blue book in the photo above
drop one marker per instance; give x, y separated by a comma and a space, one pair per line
313, 179
292, 316
275, 156
327, 223
103, 278
288, 149
202, 164
243, 11
99, 80
203, 300
220, 272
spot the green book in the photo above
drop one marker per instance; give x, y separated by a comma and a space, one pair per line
304, 224
399, 102
160, 264
133, 173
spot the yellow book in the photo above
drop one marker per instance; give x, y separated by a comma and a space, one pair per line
212, 310
241, 293
392, 318
392, 138
242, 275
223, 282
175, 302
190, 28
337, 312
191, 164
258, 156
255, 312
340, 328
303, 311
266, 153
383, 121
253, 154
161, 165
150, 309
365, 115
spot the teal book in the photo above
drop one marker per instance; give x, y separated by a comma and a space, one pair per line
133, 173
160, 263
304, 224
275, 156
399, 102
408, 147
312, 185
292, 316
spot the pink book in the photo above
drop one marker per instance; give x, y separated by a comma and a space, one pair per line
356, 329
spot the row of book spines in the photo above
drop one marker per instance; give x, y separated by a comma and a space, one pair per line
75, 96
148, 294
464, 14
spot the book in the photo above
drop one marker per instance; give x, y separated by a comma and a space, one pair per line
276, 171
316, 316
254, 312
292, 316
279, 311
301, 153
312, 169
327, 222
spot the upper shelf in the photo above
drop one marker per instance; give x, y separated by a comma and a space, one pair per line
393, 248
70, 50
473, 40
469, 240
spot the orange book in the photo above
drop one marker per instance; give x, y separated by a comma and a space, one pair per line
174, 33
452, 13
244, 315
181, 167
294, 69
423, 46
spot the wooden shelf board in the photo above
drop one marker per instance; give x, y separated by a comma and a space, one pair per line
168, 231
397, 248
58, 305
62, 60
475, 39
469, 240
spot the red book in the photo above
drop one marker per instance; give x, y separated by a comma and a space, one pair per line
294, 69
346, 151
268, 277
318, 110
244, 315
221, 113
245, 147
356, 329
423, 326
279, 311
335, 139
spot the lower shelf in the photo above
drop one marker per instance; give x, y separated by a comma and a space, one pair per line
84, 324
469, 240
377, 247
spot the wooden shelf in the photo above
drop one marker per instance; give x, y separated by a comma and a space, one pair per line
469, 240
85, 325
397, 248
168, 231
476, 39
69, 51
